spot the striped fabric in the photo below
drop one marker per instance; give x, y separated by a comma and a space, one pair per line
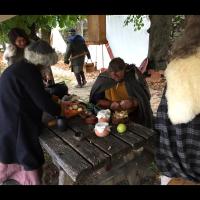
177, 146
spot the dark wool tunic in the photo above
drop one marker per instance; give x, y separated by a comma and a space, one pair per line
136, 87
178, 146
22, 100
76, 46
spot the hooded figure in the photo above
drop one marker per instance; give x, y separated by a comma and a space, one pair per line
77, 49
22, 101
122, 86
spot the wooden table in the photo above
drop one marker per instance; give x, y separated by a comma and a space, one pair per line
94, 160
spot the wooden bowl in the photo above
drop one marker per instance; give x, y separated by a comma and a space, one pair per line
91, 120
119, 120
70, 113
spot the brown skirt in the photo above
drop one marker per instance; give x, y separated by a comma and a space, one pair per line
16, 172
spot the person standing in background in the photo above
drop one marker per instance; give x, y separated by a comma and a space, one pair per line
15, 51
77, 49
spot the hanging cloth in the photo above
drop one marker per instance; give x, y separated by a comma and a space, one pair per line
102, 57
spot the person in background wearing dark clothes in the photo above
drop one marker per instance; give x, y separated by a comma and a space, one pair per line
77, 49
22, 102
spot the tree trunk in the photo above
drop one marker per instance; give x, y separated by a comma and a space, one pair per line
4, 46
33, 34
46, 34
159, 41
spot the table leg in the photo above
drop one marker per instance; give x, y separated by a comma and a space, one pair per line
64, 179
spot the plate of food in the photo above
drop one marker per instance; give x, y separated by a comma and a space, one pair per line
72, 109
120, 117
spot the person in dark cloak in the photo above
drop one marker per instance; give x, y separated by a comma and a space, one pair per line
22, 102
122, 87
77, 49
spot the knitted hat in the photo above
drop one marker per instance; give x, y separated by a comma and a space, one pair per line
40, 53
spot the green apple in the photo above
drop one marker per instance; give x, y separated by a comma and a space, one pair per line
121, 128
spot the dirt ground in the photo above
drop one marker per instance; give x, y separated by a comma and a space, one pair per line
62, 72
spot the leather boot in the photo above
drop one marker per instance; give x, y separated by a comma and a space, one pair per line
78, 78
83, 78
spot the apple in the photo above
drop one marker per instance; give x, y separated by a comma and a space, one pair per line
121, 128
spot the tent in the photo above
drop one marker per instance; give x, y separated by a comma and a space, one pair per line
5, 17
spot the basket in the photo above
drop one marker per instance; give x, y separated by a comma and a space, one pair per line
90, 67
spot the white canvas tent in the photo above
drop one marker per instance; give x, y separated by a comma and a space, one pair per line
5, 17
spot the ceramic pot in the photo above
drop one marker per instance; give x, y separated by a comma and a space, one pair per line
102, 129
104, 115
91, 120
62, 123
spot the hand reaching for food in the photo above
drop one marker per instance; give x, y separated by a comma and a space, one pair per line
55, 99
103, 103
115, 106
128, 104
62, 105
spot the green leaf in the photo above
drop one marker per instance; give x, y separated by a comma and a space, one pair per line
42, 21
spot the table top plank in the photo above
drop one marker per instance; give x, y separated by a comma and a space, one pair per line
109, 144
89, 151
70, 161
80, 158
77, 124
129, 137
140, 130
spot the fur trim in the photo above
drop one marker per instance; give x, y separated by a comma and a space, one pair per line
40, 59
183, 93
10, 51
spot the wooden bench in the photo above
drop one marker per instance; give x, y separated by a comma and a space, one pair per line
95, 160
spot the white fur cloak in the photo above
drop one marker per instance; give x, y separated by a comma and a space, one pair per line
183, 89
9, 52
38, 58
